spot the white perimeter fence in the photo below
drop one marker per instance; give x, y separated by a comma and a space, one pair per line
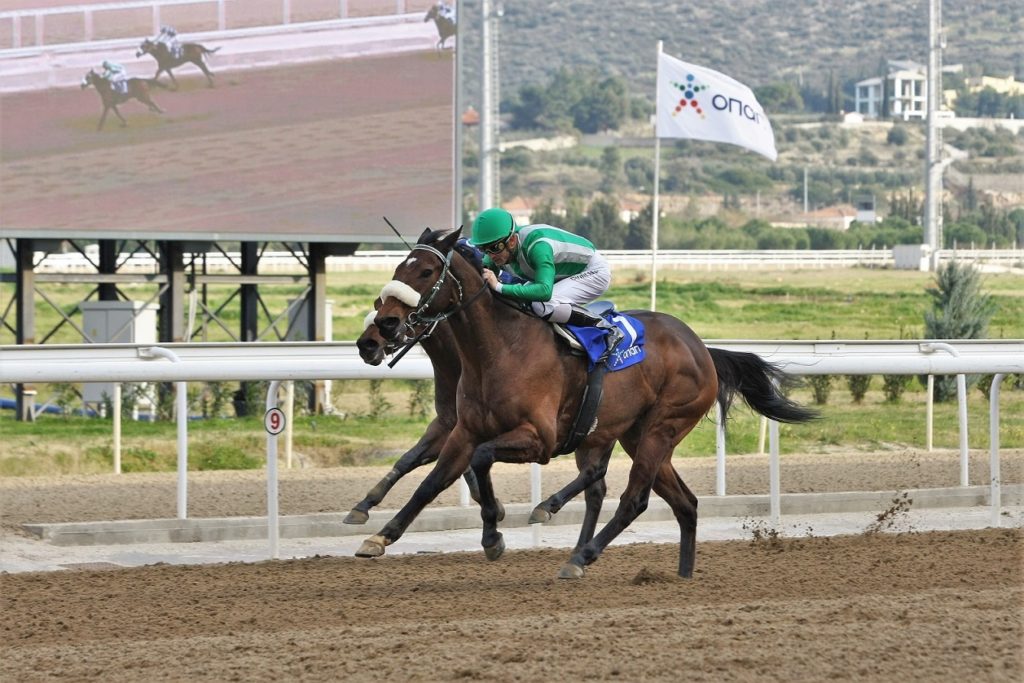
283, 362
704, 259
35, 28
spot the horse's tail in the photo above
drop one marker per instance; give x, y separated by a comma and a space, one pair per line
208, 51
759, 382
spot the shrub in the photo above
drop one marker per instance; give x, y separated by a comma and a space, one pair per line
858, 386
821, 387
893, 386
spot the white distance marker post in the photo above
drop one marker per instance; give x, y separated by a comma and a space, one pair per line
274, 423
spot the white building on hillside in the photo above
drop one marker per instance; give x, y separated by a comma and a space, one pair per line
906, 89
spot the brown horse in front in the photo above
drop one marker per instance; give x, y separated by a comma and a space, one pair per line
519, 394
138, 89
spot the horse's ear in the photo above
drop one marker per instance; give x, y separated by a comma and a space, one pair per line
423, 235
447, 243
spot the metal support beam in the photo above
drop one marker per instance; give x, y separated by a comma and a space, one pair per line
316, 304
25, 322
108, 266
249, 330
172, 301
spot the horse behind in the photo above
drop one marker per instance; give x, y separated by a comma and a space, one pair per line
138, 89
191, 53
439, 345
520, 392
445, 26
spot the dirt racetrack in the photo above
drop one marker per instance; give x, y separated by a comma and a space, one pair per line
913, 606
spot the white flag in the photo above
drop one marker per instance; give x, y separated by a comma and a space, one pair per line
702, 104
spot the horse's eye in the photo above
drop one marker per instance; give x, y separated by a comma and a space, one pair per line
426, 272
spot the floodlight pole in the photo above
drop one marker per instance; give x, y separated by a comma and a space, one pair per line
933, 165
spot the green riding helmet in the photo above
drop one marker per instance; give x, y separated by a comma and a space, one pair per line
492, 225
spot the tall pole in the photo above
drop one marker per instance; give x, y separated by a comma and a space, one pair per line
489, 107
933, 165
457, 107
655, 209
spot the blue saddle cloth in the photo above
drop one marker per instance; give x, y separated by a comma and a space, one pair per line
629, 351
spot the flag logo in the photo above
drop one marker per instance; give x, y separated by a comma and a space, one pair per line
689, 89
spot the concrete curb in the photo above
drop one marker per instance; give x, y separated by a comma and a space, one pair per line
516, 515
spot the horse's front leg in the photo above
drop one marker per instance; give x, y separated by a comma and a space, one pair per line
424, 452
103, 118
522, 444
450, 465
174, 81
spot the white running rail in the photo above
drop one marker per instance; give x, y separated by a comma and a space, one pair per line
31, 364
121, 19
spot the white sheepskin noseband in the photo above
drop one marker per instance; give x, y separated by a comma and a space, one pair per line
401, 291
368, 320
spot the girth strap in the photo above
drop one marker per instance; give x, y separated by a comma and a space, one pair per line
586, 419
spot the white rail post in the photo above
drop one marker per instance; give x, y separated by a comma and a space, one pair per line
289, 413
273, 422
774, 497
222, 22
961, 398
929, 413
535, 488
40, 29
719, 451
88, 25
181, 403
116, 400
156, 19
16, 31
995, 485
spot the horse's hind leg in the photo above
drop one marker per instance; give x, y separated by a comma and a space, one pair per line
653, 450
592, 465
145, 99
670, 486
201, 65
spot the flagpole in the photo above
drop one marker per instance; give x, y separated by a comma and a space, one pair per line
654, 204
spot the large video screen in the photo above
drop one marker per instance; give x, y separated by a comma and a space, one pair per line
278, 149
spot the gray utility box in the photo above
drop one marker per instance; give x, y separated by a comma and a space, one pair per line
115, 322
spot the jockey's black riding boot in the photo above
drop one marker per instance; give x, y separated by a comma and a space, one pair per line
584, 318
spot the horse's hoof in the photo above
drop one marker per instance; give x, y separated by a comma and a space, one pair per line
356, 517
571, 571
496, 550
501, 510
371, 547
539, 515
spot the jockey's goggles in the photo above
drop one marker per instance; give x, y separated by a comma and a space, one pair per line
496, 247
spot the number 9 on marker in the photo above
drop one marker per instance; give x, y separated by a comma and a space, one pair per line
273, 421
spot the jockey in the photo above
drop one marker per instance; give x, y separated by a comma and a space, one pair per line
562, 271
446, 10
169, 37
114, 73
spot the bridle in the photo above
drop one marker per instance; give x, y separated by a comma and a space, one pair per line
418, 317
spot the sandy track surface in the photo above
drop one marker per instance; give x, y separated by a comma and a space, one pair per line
917, 606
929, 607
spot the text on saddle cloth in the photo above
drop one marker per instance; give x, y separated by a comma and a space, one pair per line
629, 351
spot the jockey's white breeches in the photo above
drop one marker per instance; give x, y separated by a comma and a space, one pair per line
579, 289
